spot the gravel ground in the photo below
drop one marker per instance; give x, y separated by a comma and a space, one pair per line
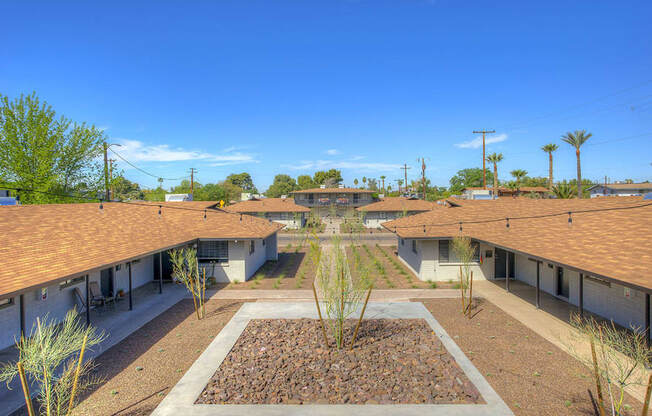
141, 369
533, 376
284, 361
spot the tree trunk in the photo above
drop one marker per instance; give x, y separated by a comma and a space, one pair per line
495, 180
579, 175
550, 172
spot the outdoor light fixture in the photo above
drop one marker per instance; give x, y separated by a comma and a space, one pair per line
570, 219
507, 223
424, 229
204, 215
101, 206
159, 211
240, 217
460, 227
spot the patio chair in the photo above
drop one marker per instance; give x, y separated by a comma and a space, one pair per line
80, 298
97, 298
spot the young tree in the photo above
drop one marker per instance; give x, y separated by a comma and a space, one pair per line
577, 139
518, 174
550, 148
355, 182
333, 176
47, 358
465, 251
382, 178
470, 177
185, 269
495, 159
41, 151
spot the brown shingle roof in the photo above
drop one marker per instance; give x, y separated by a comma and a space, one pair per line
634, 186
399, 204
613, 244
46, 243
267, 205
334, 191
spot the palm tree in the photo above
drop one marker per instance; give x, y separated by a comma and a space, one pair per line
577, 139
518, 174
495, 158
382, 178
549, 148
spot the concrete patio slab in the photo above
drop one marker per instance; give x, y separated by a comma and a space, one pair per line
180, 400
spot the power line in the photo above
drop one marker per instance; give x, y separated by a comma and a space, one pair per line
144, 171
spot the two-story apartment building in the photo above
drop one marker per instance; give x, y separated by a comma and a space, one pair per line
391, 208
326, 200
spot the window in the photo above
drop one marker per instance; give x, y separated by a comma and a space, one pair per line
5, 303
414, 246
356, 198
443, 251
476, 251
217, 251
252, 247
70, 282
263, 243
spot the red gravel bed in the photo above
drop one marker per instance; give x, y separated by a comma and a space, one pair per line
284, 361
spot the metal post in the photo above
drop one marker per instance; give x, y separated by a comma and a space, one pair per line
582, 295
507, 270
538, 285
160, 272
647, 319
88, 301
21, 299
131, 302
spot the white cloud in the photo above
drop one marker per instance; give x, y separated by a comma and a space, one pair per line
332, 152
342, 164
477, 142
137, 151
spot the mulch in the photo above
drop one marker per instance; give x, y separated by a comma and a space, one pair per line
533, 376
285, 361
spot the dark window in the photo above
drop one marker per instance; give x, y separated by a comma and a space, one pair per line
356, 198
402, 242
476, 251
414, 245
70, 282
252, 246
563, 288
213, 251
5, 303
443, 251
263, 243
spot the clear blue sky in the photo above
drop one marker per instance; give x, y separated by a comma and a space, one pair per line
296, 86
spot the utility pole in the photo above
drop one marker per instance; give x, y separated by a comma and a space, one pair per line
107, 191
423, 176
484, 169
111, 162
405, 169
192, 182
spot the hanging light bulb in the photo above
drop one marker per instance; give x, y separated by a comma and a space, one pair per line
424, 229
460, 227
204, 215
240, 217
570, 219
507, 223
101, 207
159, 211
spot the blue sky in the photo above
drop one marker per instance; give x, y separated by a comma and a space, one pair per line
364, 86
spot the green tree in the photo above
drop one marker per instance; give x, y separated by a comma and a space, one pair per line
550, 148
495, 158
305, 182
470, 177
242, 180
372, 184
157, 194
124, 189
518, 174
577, 139
329, 177
184, 187
382, 178
282, 185
355, 182
41, 151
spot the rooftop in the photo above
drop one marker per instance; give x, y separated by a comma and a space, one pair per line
399, 203
267, 205
47, 243
334, 191
609, 239
645, 185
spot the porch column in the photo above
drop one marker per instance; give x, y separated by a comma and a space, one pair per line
21, 299
88, 301
507, 270
538, 285
131, 302
581, 295
647, 319
160, 272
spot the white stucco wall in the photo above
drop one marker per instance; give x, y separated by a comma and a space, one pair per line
60, 301
271, 247
242, 265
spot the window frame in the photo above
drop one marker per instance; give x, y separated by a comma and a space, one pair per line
7, 303
219, 258
71, 282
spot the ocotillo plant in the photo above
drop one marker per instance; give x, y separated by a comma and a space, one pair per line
185, 269
52, 356
464, 251
341, 292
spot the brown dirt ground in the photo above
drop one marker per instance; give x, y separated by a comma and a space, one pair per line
295, 266
141, 369
533, 376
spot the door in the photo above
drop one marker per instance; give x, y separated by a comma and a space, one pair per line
563, 286
106, 281
500, 264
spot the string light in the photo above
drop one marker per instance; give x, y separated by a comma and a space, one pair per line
241, 217
159, 211
570, 219
424, 229
204, 215
460, 227
101, 206
507, 223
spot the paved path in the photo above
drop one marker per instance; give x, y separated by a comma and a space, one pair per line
380, 238
551, 321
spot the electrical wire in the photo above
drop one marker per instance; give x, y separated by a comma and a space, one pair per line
144, 171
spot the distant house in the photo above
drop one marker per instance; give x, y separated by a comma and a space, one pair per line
487, 193
51, 254
280, 210
391, 208
341, 199
620, 189
178, 197
597, 260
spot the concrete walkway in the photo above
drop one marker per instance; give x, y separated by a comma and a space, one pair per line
551, 321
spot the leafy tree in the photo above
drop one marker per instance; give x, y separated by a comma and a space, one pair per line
157, 194
577, 139
124, 189
184, 188
41, 151
550, 148
372, 184
355, 182
518, 174
495, 158
282, 185
332, 176
535, 181
242, 180
305, 182
470, 177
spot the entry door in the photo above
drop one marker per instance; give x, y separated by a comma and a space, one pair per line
500, 266
106, 281
563, 286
